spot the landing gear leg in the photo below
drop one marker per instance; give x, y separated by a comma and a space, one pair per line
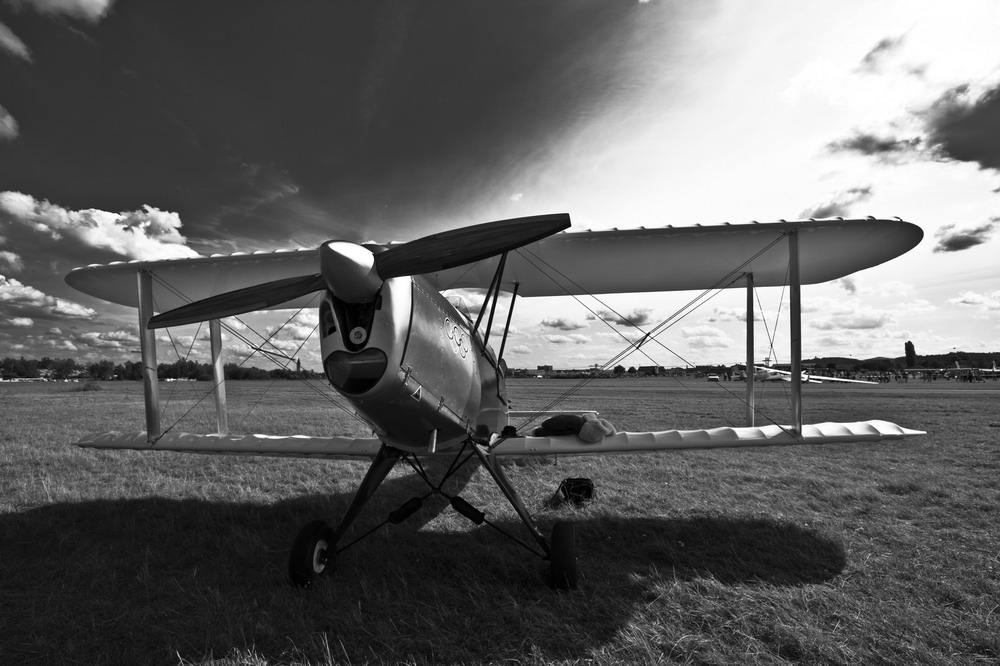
561, 550
315, 549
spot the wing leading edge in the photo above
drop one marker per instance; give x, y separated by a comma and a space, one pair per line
714, 438
299, 446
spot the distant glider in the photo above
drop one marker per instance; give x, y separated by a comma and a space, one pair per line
422, 373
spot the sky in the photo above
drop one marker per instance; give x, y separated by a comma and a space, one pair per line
140, 129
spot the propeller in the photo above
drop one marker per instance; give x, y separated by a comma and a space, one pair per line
354, 273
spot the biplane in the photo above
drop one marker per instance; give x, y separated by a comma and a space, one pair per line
422, 373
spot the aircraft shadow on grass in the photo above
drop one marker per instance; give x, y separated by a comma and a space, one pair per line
194, 577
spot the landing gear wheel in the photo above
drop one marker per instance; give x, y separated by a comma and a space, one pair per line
313, 553
563, 556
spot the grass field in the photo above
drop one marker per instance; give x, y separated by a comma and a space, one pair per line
885, 553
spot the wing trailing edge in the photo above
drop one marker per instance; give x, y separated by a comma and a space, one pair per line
727, 437
298, 446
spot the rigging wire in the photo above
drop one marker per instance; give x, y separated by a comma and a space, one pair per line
724, 282
265, 340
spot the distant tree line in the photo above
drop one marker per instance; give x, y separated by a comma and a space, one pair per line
67, 368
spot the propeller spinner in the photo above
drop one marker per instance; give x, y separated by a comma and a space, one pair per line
355, 274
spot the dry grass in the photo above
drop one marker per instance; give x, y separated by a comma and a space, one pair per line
852, 554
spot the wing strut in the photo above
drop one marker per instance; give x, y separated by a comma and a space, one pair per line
147, 346
795, 302
219, 377
506, 328
750, 367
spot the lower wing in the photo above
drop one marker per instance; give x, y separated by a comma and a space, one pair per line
261, 445
729, 437
302, 446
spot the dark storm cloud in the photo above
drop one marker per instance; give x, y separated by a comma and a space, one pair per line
950, 238
964, 129
251, 119
839, 205
882, 147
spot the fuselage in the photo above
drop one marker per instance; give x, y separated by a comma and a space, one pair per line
412, 367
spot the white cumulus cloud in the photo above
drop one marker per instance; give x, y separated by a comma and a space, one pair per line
701, 337
10, 262
14, 294
8, 125
90, 10
149, 233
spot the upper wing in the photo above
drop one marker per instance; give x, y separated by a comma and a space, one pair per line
679, 258
675, 440
177, 282
262, 445
598, 262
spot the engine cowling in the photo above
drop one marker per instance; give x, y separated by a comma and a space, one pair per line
407, 362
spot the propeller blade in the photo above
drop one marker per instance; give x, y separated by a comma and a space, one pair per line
257, 297
466, 245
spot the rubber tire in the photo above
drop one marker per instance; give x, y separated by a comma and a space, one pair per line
563, 569
313, 554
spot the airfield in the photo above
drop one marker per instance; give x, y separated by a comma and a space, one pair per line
860, 553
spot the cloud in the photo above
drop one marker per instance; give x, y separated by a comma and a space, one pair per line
885, 148
62, 345
576, 339
875, 58
18, 322
839, 204
10, 262
118, 340
964, 127
637, 317
986, 302
562, 324
89, 10
299, 327
703, 337
520, 349
8, 125
142, 234
951, 238
731, 314
12, 44
24, 298
853, 321
849, 285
